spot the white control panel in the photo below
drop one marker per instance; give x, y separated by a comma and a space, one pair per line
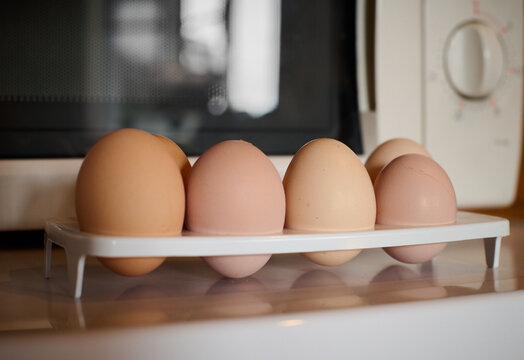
472, 95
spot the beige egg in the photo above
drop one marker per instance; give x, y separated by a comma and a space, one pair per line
129, 185
329, 190
413, 190
388, 151
234, 189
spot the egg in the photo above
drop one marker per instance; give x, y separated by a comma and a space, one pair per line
328, 190
179, 156
413, 190
237, 266
134, 266
388, 151
129, 185
234, 189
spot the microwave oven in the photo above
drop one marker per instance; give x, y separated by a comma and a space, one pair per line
277, 73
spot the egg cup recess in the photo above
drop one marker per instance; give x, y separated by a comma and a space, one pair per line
328, 189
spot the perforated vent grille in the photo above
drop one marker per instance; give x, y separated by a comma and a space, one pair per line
117, 51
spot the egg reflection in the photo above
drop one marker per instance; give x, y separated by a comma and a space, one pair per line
141, 305
319, 290
398, 283
228, 298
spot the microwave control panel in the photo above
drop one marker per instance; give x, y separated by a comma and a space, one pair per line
472, 93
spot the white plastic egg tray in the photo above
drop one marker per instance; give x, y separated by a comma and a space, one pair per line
78, 245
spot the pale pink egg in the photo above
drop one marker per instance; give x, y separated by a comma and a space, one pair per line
234, 189
237, 266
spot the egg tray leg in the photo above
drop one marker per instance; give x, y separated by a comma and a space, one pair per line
75, 267
492, 251
48, 246
75, 272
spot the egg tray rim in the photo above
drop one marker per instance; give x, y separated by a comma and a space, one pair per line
468, 226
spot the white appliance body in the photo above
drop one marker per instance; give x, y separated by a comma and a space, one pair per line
447, 74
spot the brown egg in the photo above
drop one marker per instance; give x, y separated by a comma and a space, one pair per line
328, 189
388, 151
128, 185
135, 266
413, 190
179, 156
234, 189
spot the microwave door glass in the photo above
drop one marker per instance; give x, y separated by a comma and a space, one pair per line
277, 73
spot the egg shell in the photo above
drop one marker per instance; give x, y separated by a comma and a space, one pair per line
135, 266
415, 254
237, 266
178, 155
332, 258
328, 189
390, 150
129, 185
413, 190
234, 189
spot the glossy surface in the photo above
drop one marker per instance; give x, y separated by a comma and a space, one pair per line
184, 290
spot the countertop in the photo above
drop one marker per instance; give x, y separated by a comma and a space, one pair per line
185, 292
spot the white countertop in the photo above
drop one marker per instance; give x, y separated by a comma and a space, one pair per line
373, 306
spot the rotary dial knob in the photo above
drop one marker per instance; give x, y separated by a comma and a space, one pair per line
474, 60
